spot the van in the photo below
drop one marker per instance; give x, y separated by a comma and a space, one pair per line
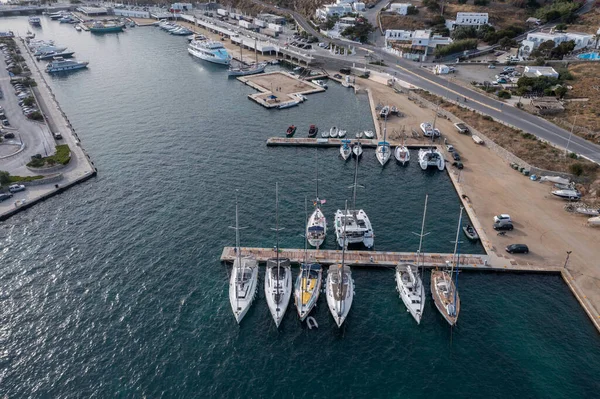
508, 69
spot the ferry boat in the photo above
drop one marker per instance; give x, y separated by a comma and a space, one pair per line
99, 27
35, 21
61, 65
209, 50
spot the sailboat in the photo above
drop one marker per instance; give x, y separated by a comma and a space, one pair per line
401, 153
316, 228
353, 226
383, 151
244, 277
357, 149
242, 69
345, 150
444, 290
308, 282
339, 287
408, 280
278, 276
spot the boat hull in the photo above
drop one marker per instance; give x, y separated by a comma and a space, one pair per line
278, 292
307, 291
66, 69
414, 299
402, 155
214, 60
251, 71
242, 291
317, 219
443, 293
112, 29
339, 306
383, 153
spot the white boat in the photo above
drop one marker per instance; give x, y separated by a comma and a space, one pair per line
316, 229
29, 35
209, 50
345, 149
584, 210
61, 65
402, 154
47, 48
567, 194
369, 134
244, 70
325, 133
383, 151
443, 288
357, 149
431, 157
244, 277
278, 277
385, 111
341, 133
308, 282
354, 225
595, 221
78, 28
339, 287
477, 139
320, 83
333, 132
409, 282
359, 135
429, 130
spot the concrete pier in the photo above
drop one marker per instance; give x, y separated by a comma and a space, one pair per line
279, 89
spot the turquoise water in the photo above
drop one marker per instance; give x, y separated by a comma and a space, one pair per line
589, 56
115, 288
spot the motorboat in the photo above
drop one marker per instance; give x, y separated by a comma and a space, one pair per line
385, 111
56, 15
411, 290
46, 48
182, 31
431, 157
357, 149
345, 149
359, 135
210, 50
53, 54
339, 287
369, 134
59, 64
278, 276
333, 132
402, 154
595, 221
312, 131
325, 133
244, 278
78, 28
29, 35
429, 131
289, 104
320, 83
341, 133
567, 194
291, 130
470, 232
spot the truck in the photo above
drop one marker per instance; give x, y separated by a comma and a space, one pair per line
269, 32
260, 23
461, 127
246, 24
276, 28
222, 12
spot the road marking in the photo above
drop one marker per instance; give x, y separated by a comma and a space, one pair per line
448, 89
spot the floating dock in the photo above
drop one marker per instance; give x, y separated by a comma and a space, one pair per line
279, 89
330, 142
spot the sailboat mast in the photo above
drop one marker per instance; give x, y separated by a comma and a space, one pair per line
384, 128
456, 253
456, 241
304, 270
354, 189
341, 267
277, 230
237, 232
317, 165
422, 230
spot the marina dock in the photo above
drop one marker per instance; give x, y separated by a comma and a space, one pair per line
279, 89
329, 142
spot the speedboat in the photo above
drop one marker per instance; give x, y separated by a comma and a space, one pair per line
324, 134
567, 194
411, 289
357, 149
78, 28
369, 134
54, 54
431, 157
333, 132
290, 131
402, 154
209, 50
359, 135
341, 133
426, 128
29, 35
313, 130
345, 150
320, 83
289, 104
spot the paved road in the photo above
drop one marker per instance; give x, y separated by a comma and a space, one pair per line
412, 72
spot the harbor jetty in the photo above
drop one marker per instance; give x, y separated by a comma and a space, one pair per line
279, 89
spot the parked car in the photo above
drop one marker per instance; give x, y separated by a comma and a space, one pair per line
458, 164
456, 156
449, 147
15, 188
5, 196
491, 66
5, 122
502, 216
503, 226
517, 249
9, 136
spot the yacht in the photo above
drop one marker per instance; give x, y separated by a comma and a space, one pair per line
357, 149
345, 149
411, 289
431, 157
339, 287
61, 65
567, 194
54, 54
209, 50
308, 288
333, 132
353, 226
244, 278
44, 48
278, 276
383, 151
402, 154
56, 15
320, 83
369, 134
182, 31
35, 21
316, 229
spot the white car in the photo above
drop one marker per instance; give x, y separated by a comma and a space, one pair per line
15, 188
502, 218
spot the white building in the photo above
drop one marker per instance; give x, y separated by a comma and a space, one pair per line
533, 41
349, 2
123, 12
400, 8
330, 10
358, 7
476, 19
419, 42
537, 71
178, 7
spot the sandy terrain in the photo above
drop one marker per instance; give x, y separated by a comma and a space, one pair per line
493, 187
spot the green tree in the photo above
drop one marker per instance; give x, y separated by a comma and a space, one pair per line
4, 177
464, 32
560, 91
412, 10
506, 43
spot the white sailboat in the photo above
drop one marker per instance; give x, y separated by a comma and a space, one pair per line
383, 150
339, 287
401, 153
353, 226
357, 149
345, 150
278, 276
409, 282
244, 70
316, 229
244, 277
308, 283
443, 289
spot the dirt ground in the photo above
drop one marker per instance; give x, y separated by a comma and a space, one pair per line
493, 187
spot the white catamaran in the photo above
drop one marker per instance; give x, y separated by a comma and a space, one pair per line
244, 277
409, 282
443, 289
340, 286
316, 229
308, 282
278, 276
